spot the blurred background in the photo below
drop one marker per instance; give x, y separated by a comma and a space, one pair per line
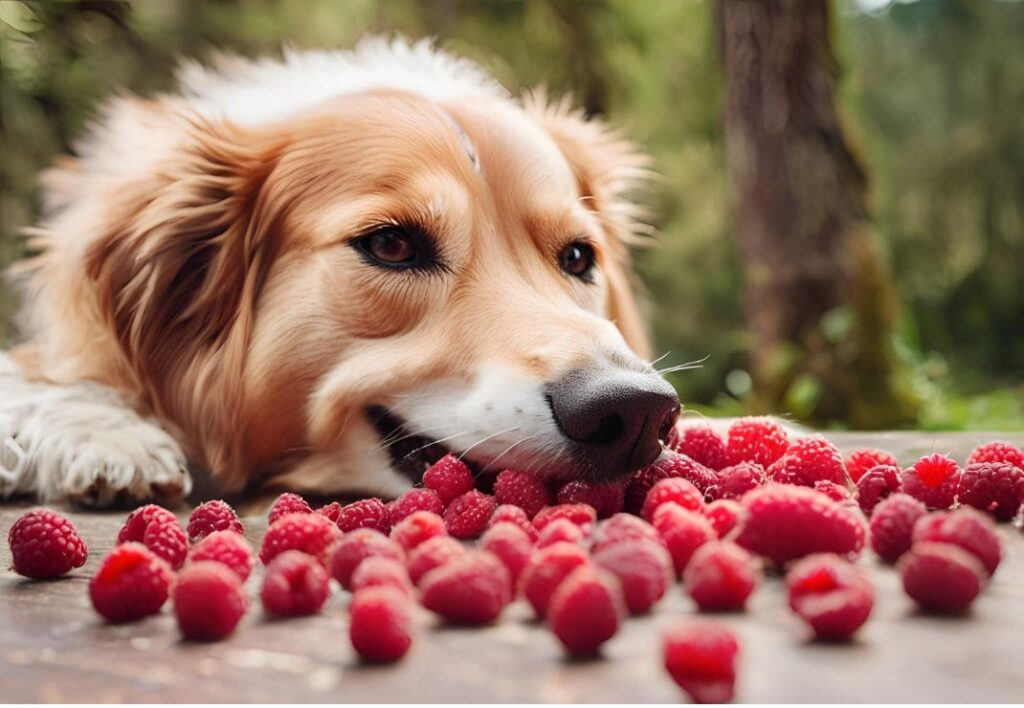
840, 215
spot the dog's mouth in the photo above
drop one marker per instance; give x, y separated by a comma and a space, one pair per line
411, 453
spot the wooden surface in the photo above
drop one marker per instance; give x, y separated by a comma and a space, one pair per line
54, 648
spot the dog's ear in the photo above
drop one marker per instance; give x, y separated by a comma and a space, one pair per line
609, 171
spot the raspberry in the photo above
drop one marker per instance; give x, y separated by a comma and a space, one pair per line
941, 577
227, 548
416, 528
306, 532
165, 537
735, 481
467, 516
830, 594
288, 503
933, 480
860, 461
720, 577
701, 444
212, 516
472, 589
809, 460
378, 571
558, 531
701, 658
432, 553
131, 583
380, 624
449, 477
994, 487
674, 490
784, 523
546, 570
724, 515
44, 544
682, 532
643, 567
513, 515
330, 511
512, 547
295, 585
607, 499
756, 439
623, 527
877, 484
134, 528
416, 500
586, 610
998, 452
580, 514
354, 548
528, 492
365, 514
965, 528
835, 492
892, 526
208, 601
670, 464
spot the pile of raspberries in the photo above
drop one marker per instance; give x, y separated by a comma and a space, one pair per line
713, 513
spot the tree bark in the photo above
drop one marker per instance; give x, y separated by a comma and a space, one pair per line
820, 306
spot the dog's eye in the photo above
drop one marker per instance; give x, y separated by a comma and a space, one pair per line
577, 259
391, 246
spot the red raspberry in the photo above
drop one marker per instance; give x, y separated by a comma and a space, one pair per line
966, 528
513, 515
208, 601
682, 532
416, 528
354, 548
933, 480
306, 532
860, 461
378, 571
132, 583
756, 439
227, 548
44, 544
472, 589
877, 484
449, 477
607, 499
330, 511
467, 516
998, 452
670, 464
365, 514
586, 610
559, 531
724, 515
830, 594
546, 570
134, 528
512, 547
994, 487
941, 577
165, 537
529, 492
216, 515
295, 585
892, 526
835, 492
380, 624
809, 460
735, 481
674, 490
720, 577
288, 503
701, 658
643, 567
582, 515
623, 527
416, 500
785, 522
432, 553
701, 444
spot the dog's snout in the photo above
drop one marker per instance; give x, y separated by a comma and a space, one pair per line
617, 418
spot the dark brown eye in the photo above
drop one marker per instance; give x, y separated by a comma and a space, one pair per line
391, 246
577, 259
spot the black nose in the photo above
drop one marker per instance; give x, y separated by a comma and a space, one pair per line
616, 418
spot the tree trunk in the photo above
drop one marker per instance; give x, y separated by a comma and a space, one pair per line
820, 306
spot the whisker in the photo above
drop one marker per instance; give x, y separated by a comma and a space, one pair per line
485, 439
661, 357
433, 442
506, 451
695, 364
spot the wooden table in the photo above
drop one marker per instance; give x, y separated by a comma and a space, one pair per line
54, 648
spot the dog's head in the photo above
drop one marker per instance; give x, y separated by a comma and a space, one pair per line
340, 296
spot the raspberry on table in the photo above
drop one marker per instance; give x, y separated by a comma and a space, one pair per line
380, 624
467, 516
682, 532
306, 532
513, 515
941, 577
998, 452
933, 480
208, 601
450, 477
529, 492
545, 572
586, 610
216, 515
859, 462
965, 528
606, 499
701, 444
378, 571
288, 503
736, 480
330, 511
294, 585
582, 515
809, 460
227, 548
674, 490
623, 527
670, 464
756, 439
892, 526
877, 484
353, 548
993, 487
558, 531
472, 589
724, 515
432, 553
644, 568
416, 500
365, 514
165, 537
45, 545
720, 577
132, 582
830, 594
512, 546
701, 658
416, 528
135, 525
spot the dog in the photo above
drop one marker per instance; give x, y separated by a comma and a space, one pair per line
320, 274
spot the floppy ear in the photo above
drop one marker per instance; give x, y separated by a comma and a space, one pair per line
609, 171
